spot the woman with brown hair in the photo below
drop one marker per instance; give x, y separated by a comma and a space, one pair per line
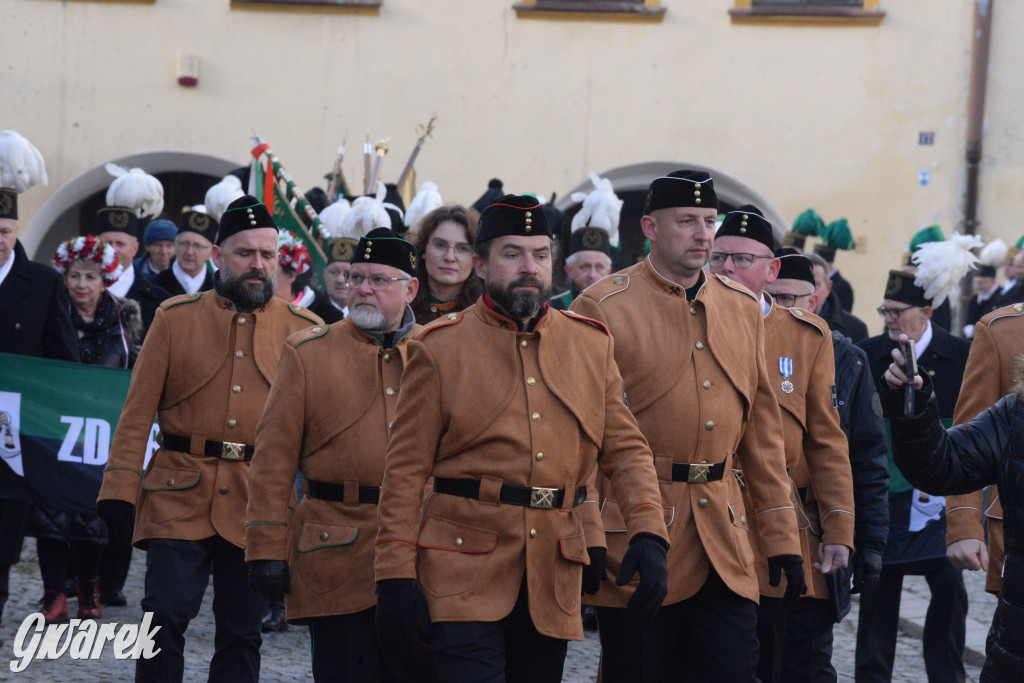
445, 269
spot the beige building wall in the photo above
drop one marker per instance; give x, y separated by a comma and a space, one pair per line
815, 115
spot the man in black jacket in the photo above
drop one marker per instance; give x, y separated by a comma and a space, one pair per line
118, 226
828, 305
189, 272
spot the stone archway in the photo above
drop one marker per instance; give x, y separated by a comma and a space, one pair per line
57, 219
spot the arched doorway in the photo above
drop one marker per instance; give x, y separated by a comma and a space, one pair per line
69, 211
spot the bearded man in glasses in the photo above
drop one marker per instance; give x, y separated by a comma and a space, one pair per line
917, 521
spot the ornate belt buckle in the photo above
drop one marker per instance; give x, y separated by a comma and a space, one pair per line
741, 479
542, 498
698, 474
232, 451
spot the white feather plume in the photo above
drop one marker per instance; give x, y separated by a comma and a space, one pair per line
941, 265
220, 196
332, 216
601, 208
426, 200
366, 214
994, 253
21, 164
136, 190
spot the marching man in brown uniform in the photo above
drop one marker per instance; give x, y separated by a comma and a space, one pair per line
510, 426
690, 348
796, 640
205, 372
328, 415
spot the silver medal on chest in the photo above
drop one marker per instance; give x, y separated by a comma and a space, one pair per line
786, 368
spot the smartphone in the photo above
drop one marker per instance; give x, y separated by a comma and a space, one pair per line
910, 368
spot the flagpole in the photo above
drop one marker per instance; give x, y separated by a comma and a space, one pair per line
424, 135
292, 192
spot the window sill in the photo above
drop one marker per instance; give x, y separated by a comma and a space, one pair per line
804, 15
339, 6
614, 10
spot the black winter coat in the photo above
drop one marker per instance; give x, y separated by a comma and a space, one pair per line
34, 311
166, 281
843, 321
987, 450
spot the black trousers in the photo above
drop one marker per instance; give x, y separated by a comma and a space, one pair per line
944, 625
345, 648
177, 573
13, 521
493, 651
801, 635
711, 636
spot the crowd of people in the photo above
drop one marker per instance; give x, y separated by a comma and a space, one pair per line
437, 464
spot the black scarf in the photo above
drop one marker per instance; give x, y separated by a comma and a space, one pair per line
96, 335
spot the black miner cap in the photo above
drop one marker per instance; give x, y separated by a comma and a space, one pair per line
117, 219
245, 213
512, 215
199, 223
681, 188
493, 194
794, 266
590, 239
748, 221
900, 287
339, 249
8, 203
383, 246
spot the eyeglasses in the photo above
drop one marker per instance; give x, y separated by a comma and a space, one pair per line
892, 312
378, 282
789, 300
441, 247
195, 246
741, 261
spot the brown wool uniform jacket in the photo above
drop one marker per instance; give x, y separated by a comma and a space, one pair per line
993, 367
327, 416
204, 371
695, 379
482, 401
817, 453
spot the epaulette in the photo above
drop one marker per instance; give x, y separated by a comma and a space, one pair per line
584, 319
1006, 312
732, 284
607, 286
443, 321
808, 318
299, 338
302, 313
180, 299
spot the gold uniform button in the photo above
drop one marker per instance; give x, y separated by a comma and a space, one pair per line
387, 357
239, 354
170, 482
224, 489
531, 381
524, 343
702, 503
390, 424
236, 389
743, 519
700, 345
324, 536
706, 384
232, 423
709, 425
693, 310
315, 329
533, 533
453, 316
540, 456
389, 391
536, 417
797, 312
618, 280
458, 542
1019, 307
17, 326
241, 321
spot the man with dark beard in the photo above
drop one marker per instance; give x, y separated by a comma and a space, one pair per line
206, 366
508, 405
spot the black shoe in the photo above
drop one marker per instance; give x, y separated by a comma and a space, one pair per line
589, 619
113, 598
274, 621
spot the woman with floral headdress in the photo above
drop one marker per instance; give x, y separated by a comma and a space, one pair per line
294, 270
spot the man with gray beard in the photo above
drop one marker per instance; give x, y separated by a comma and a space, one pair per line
205, 371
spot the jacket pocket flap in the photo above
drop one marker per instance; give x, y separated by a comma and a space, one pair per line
320, 535
443, 534
170, 479
574, 548
614, 523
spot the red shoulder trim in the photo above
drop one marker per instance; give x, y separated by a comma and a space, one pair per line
443, 321
582, 318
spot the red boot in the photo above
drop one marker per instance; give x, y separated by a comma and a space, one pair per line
89, 600
55, 607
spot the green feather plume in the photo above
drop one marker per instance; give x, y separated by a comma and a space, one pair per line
808, 223
932, 233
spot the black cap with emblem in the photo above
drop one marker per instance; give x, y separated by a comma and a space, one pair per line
590, 239
794, 265
681, 188
245, 213
117, 219
900, 287
513, 214
748, 221
8, 203
383, 246
202, 224
340, 249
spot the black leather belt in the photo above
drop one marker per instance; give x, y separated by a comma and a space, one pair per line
697, 473
336, 492
527, 496
224, 450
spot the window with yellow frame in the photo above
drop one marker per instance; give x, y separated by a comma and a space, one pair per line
856, 12
618, 10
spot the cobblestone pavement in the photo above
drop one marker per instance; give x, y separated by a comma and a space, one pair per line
286, 655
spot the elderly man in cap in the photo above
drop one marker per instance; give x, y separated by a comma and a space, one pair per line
328, 416
118, 226
189, 273
690, 348
795, 633
510, 426
589, 260
332, 305
158, 241
205, 371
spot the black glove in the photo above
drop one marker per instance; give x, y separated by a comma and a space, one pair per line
595, 572
867, 567
647, 554
793, 565
269, 578
403, 623
116, 514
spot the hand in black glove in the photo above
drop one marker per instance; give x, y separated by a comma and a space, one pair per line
595, 572
647, 554
403, 623
269, 578
116, 514
867, 568
793, 565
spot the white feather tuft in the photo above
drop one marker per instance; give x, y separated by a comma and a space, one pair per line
220, 196
21, 164
994, 253
367, 213
136, 190
601, 209
941, 265
332, 216
426, 200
